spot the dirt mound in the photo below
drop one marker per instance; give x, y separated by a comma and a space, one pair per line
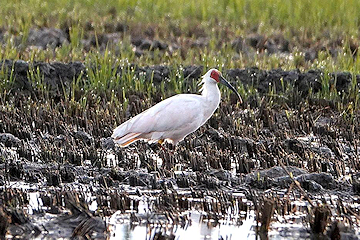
58, 76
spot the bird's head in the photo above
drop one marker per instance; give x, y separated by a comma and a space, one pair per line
215, 76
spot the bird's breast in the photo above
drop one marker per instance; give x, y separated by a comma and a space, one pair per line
210, 107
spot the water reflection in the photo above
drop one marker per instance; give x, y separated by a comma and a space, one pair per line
198, 229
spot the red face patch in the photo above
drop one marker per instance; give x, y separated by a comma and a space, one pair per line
215, 75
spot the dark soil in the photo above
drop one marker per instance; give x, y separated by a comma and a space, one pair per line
58, 75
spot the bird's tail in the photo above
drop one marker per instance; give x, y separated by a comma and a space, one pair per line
123, 134
127, 139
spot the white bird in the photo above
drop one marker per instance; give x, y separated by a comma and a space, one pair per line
174, 118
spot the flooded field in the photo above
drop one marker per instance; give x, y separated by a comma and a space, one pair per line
258, 170
284, 164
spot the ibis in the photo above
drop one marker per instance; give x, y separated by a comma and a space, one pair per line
174, 118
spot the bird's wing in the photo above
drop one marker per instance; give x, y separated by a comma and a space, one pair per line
171, 114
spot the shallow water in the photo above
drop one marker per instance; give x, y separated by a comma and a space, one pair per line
196, 230
197, 226
203, 230
233, 226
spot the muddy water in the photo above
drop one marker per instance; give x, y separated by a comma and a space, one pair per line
143, 221
238, 225
197, 229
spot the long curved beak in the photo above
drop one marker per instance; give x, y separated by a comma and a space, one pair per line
226, 83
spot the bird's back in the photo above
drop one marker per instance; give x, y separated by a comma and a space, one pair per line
165, 120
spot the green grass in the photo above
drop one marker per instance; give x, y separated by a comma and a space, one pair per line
310, 16
299, 21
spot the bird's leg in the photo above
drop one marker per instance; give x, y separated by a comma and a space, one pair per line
172, 148
160, 142
168, 157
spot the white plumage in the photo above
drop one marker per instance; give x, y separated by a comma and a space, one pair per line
174, 118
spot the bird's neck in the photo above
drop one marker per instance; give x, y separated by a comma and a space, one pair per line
211, 96
210, 91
